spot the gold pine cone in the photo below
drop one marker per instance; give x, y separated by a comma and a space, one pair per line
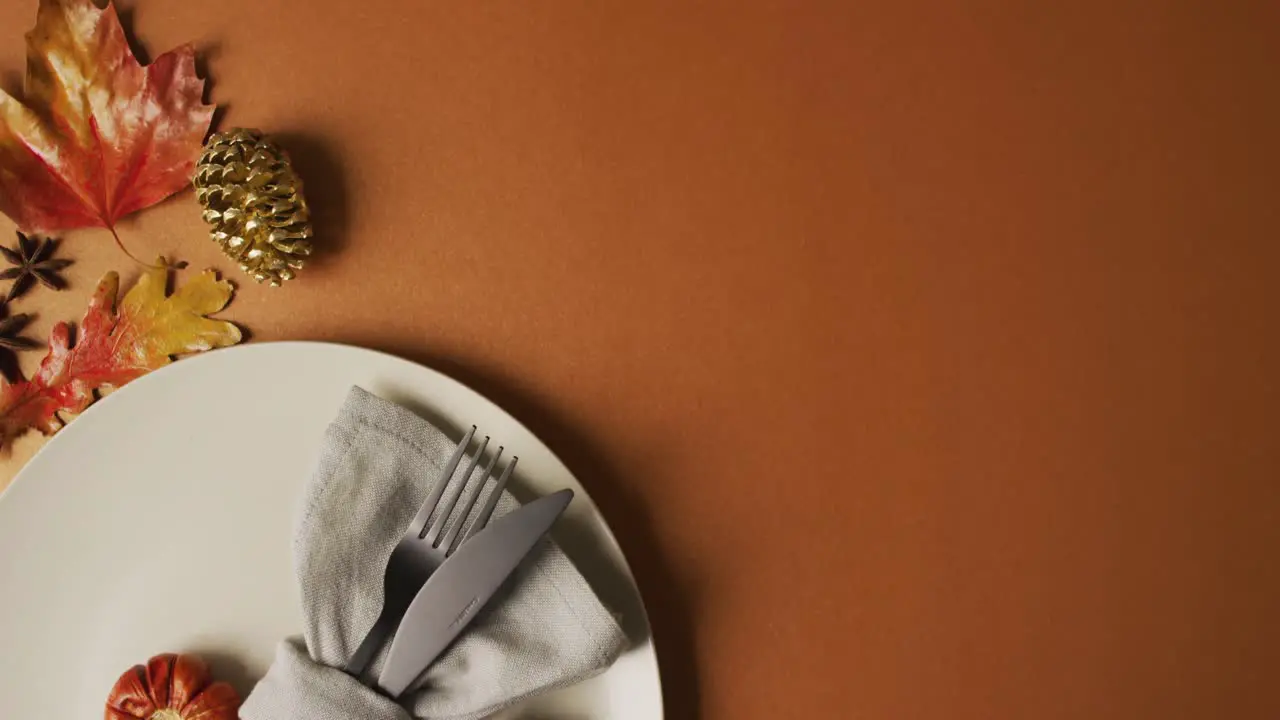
253, 202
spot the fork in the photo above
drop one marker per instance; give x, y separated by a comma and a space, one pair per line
423, 548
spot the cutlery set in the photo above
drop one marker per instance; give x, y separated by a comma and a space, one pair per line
443, 570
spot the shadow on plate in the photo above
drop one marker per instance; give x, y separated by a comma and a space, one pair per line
225, 666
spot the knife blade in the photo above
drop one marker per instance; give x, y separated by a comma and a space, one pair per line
461, 586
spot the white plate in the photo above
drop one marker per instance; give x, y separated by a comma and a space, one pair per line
160, 520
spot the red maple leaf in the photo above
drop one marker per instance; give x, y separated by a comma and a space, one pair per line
99, 136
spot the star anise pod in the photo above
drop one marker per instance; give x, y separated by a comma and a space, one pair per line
10, 333
32, 260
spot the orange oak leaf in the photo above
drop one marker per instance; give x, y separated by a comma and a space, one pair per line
99, 136
116, 346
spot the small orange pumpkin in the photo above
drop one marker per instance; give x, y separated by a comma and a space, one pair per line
171, 687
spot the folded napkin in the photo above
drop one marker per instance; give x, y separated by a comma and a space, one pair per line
544, 629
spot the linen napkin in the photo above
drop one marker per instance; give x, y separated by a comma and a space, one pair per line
544, 629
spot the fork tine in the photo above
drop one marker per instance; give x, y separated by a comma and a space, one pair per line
420, 520
449, 543
492, 503
443, 516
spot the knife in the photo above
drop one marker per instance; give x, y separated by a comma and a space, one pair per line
461, 586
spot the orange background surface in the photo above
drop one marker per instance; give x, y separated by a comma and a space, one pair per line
922, 355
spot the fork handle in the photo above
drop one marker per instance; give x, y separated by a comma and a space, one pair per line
381, 630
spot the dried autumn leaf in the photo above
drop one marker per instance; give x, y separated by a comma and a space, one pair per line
99, 136
116, 347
